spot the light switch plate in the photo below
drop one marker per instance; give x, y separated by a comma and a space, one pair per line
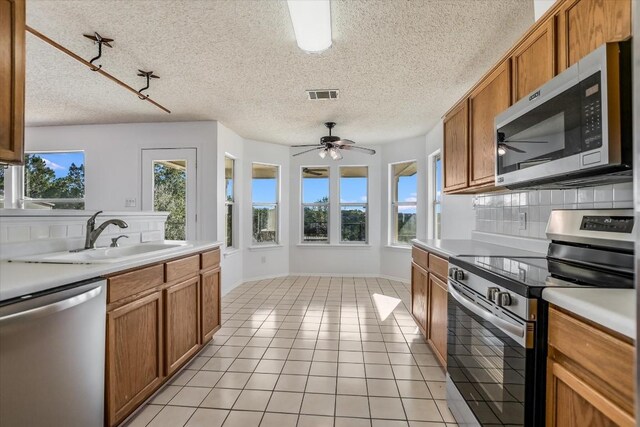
130, 203
522, 221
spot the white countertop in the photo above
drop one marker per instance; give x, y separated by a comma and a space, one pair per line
20, 278
452, 247
614, 309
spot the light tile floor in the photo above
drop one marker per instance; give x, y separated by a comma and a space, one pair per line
309, 352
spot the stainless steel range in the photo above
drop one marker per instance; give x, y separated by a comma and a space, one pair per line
497, 319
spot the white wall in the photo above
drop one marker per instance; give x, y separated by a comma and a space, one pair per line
335, 258
113, 158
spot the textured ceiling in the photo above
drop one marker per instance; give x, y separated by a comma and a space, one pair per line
399, 64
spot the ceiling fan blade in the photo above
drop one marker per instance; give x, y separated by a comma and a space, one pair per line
307, 151
306, 145
344, 142
311, 171
517, 150
363, 149
523, 142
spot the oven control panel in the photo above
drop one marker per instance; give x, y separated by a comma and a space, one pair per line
611, 224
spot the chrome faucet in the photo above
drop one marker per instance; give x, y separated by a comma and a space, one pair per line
93, 233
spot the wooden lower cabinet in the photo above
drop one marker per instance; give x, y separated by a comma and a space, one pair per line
210, 303
419, 289
134, 355
429, 297
437, 331
182, 323
158, 317
590, 378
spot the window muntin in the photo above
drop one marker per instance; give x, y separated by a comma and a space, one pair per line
265, 203
229, 190
404, 198
437, 197
353, 203
54, 180
315, 204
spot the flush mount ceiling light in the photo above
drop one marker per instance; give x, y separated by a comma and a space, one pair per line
311, 23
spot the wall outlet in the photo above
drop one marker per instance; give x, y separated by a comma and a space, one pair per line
130, 203
263, 260
522, 221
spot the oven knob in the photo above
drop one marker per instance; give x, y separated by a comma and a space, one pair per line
491, 293
452, 272
503, 299
459, 275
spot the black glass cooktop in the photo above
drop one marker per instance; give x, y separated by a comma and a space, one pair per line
527, 276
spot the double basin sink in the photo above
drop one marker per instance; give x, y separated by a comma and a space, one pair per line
105, 255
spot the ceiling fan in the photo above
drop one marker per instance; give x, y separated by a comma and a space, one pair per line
503, 144
316, 172
331, 145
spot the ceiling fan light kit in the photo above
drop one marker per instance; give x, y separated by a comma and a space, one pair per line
311, 21
332, 145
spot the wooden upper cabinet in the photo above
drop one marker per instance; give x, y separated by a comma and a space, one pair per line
182, 323
12, 77
456, 148
491, 97
533, 61
584, 25
134, 355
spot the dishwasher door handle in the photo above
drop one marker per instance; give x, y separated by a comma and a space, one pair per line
507, 327
52, 308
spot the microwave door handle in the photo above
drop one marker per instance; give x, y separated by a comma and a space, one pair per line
503, 325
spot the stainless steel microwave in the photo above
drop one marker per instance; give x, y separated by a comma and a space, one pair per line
575, 130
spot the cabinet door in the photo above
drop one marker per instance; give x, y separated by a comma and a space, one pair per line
586, 24
438, 317
573, 403
533, 61
182, 323
490, 98
12, 76
210, 303
419, 284
134, 355
456, 148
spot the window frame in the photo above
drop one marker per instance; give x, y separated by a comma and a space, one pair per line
354, 204
394, 205
276, 241
433, 201
14, 182
303, 205
231, 203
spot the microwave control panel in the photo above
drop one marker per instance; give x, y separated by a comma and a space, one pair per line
591, 112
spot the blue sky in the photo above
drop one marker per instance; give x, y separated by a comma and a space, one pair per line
60, 162
264, 191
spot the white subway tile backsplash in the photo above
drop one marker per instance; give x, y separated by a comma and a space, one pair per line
75, 230
19, 233
57, 231
498, 213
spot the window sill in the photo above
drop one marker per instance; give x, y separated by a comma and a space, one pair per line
334, 245
399, 247
230, 252
265, 247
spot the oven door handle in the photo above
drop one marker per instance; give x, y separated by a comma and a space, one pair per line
501, 324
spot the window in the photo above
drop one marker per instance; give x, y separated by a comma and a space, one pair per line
54, 180
436, 201
229, 190
315, 204
404, 197
353, 203
265, 197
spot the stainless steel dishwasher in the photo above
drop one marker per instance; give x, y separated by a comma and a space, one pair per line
52, 350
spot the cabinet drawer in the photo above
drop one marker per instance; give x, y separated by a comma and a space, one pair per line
183, 267
438, 266
134, 282
210, 259
420, 257
603, 356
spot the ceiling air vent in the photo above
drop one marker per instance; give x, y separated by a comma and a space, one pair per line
321, 94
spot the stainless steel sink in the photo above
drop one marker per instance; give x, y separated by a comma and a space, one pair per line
104, 255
